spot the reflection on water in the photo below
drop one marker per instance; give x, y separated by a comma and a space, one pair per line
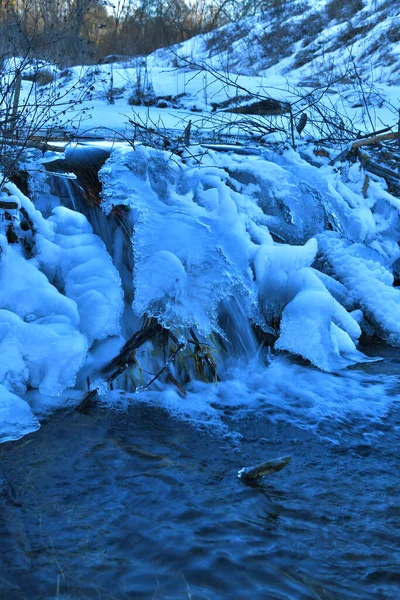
139, 505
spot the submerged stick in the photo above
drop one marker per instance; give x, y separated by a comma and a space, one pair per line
205, 355
87, 401
126, 355
165, 366
257, 471
126, 358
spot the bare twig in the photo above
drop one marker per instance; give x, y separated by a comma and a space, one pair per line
163, 368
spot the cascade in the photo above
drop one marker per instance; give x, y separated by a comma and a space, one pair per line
235, 337
145, 271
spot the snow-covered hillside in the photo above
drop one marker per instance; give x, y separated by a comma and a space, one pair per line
341, 59
306, 40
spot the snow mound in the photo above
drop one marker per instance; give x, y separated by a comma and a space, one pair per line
78, 259
39, 329
16, 417
55, 300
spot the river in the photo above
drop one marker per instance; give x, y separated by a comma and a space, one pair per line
140, 504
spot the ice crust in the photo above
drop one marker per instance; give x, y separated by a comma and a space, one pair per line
78, 259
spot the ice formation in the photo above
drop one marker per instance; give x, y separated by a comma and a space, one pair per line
301, 250
224, 247
56, 298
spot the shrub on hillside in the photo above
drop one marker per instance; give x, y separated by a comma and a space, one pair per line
339, 10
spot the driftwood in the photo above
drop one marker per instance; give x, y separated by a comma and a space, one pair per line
5, 205
35, 142
367, 161
268, 106
126, 357
257, 471
367, 140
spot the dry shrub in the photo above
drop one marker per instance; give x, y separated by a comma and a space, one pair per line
393, 34
349, 34
341, 11
221, 40
44, 77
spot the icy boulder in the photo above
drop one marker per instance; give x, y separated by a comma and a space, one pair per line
315, 326
191, 242
274, 264
364, 272
309, 320
292, 198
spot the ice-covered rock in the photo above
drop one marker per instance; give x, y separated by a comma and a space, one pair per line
16, 416
191, 245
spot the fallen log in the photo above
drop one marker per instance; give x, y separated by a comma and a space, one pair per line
267, 106
376, 169
120, 362
38, 143
376, 139
5, 205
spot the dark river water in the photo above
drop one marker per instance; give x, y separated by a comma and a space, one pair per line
141, 505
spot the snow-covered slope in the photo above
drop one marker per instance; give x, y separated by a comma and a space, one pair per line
317, 40
343, 58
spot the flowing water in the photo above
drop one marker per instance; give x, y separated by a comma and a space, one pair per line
136, 503
140, 499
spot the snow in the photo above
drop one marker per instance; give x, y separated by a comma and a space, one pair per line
53, 305
79, 260
218, 245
